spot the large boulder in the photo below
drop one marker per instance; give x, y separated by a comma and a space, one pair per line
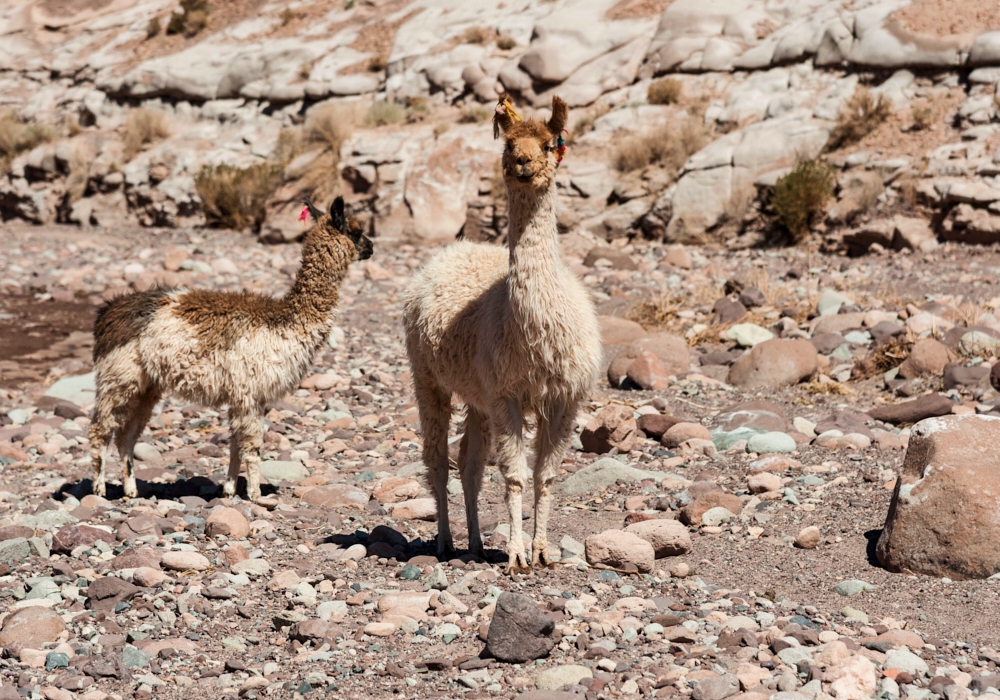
612, 426
616, 549
669, 538
942, 517
31, 627
928, 357
774, 364
671, 351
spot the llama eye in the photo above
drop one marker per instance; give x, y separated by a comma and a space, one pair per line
547, 147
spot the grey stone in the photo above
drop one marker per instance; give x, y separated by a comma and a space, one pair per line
519, 631
15, 551
716, 688
80, 389
605, 472
290, 471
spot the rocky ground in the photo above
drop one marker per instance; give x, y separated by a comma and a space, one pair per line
750, 446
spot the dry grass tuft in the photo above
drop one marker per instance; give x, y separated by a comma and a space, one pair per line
861, 115
153, 27
656, 313
287, 16
802, 194
923, 117
384, 113
16, 137
891, 354
192, 18
585, 124
235, 198
477, 35
829, 388
377, 63
665, 92
325, 131
668, 146
143, 127
505, 43
79, 174
440, 128
476, 114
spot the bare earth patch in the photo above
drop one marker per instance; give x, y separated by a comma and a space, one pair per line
950, 17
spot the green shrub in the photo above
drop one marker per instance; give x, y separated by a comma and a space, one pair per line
235, 198
860, 116
665, 92
802, 194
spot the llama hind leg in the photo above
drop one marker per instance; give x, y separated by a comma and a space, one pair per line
554, 430
247, 430
139, 411
508, 423
102, 430
435, 412
471, 461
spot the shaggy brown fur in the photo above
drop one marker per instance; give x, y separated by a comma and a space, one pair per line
217, 348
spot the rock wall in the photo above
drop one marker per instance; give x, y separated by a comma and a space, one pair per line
767, 82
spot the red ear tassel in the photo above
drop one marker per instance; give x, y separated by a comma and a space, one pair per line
304, 214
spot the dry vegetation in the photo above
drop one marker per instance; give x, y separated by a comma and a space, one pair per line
478, 35
860, 116
384, 113
476, 114
143, 127
17, 137
665, 92
235, 198
801, 195
505, 43
585, 123
153, 27
192, 18
323, 134
668, 146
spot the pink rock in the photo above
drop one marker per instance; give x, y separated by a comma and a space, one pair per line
682, 432
229, 522
668, 538
415, 509
612, 426
774, 364
617, 549
394, 489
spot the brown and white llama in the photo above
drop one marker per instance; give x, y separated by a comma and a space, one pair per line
511, 333
216, 348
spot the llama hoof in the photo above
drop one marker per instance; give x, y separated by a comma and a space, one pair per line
99, 489
229, 489
445, 550
131, 491
253, 496
541, 559
478, 552
518, 564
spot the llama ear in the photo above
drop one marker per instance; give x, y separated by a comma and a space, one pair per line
557, 122
337, 214
313, 211
502, 117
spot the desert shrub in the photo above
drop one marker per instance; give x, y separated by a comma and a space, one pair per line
192, 18
440, 128
477, 35
505, 43
234, 197
153, 27
79, 174
377, 64
476, 114
922, 118
384, 113
860, 116
667, 146
324, 132
418, 104
16, 137
286, 16
143, 126
664, 92
802, 194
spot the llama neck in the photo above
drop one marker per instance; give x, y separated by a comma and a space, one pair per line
534, 277
316, 290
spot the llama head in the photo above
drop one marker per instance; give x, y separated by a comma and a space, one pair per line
530, 153
339, 225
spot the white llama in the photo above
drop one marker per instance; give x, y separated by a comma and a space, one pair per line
217, 348
511, 333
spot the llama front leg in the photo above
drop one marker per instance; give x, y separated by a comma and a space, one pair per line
508, 425
100, 440
471, 461
554, 430
435, 413
247, 429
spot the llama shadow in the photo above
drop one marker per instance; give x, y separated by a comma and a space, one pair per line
872, 537
200, 486
413, 548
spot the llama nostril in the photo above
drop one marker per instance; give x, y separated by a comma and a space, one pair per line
523, 160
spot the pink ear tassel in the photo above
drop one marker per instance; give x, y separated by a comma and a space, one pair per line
304, 215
